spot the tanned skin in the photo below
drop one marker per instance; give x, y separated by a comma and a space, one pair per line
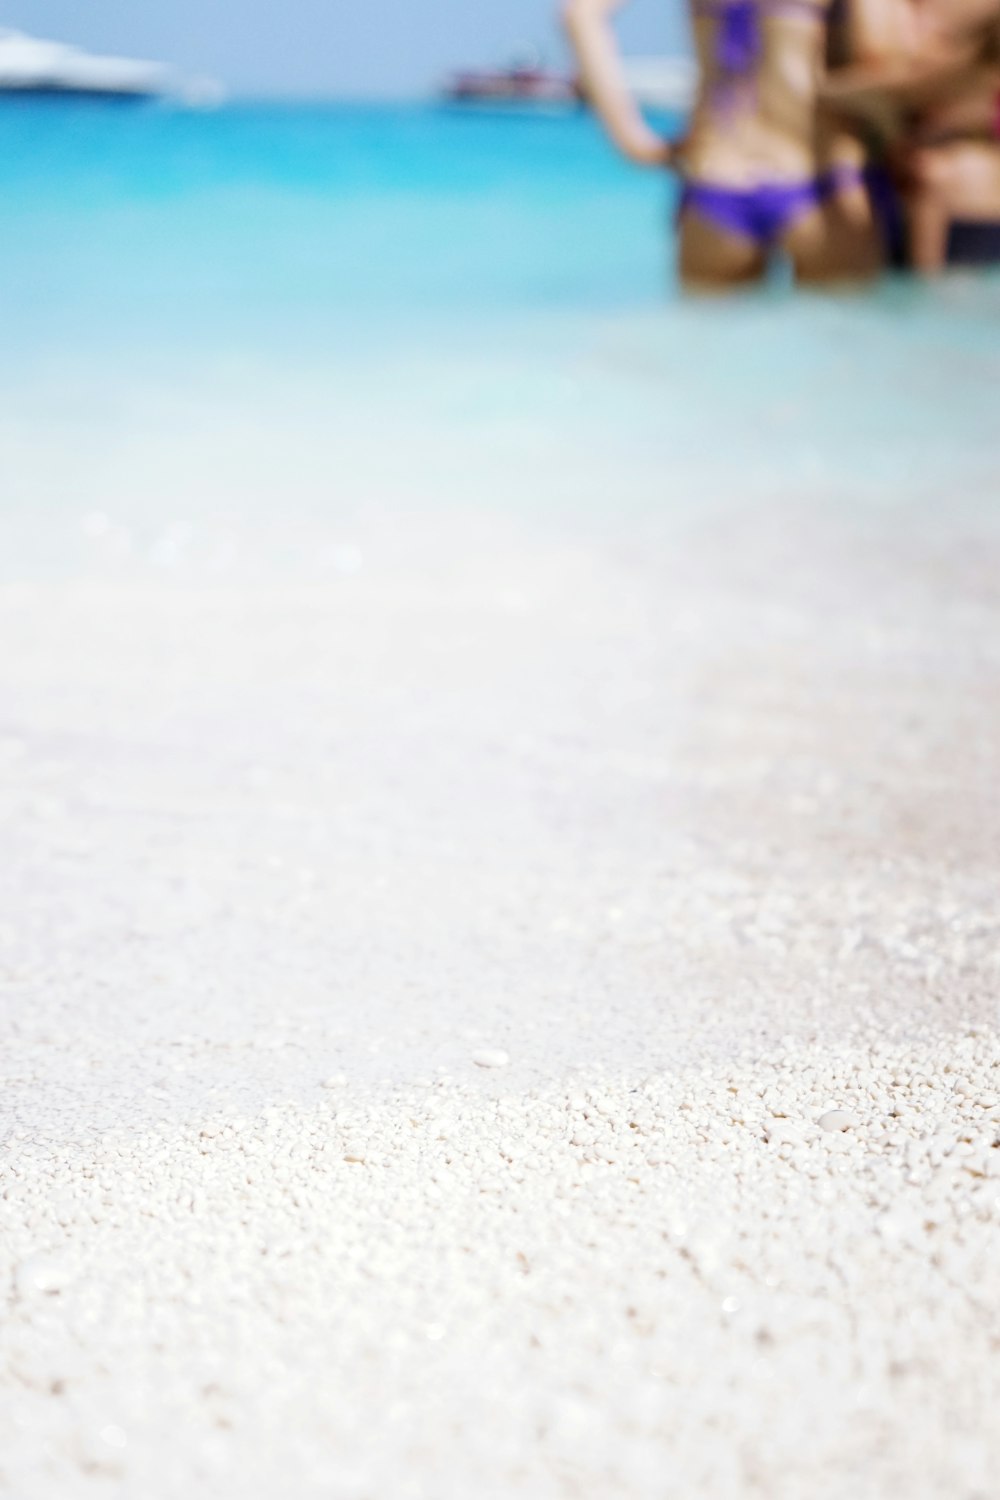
773, 133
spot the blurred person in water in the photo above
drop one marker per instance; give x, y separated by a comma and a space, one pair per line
923, 81
763, 169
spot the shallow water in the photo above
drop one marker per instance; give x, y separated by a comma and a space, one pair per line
283, 316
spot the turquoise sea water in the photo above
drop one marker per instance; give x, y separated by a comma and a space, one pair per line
255, 220
205, 308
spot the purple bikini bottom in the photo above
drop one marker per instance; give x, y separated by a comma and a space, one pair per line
762, 213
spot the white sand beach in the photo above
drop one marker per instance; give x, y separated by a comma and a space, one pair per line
429, 967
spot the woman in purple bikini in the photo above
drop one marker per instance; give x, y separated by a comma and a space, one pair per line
762, 170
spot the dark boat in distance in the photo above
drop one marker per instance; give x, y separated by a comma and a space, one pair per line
663, 83
524, 81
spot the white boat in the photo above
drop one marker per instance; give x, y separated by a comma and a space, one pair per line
662, 82
31, 66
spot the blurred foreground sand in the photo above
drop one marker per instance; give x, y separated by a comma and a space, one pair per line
698, 823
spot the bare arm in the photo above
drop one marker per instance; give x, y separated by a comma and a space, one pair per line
879, 31
866, 94
588, 24
907, 84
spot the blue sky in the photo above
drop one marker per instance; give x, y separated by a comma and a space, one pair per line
346, 47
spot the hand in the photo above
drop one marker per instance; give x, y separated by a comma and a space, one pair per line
914, 167
651, 150
928, 133
869, 94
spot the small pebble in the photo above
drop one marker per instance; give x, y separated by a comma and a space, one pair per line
42, 1274
491, 1058
837, 1119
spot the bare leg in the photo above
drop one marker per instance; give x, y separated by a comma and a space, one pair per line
839, 242
929, 216
958, 181
712, 260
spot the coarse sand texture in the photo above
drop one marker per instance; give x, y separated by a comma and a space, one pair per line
512, 1016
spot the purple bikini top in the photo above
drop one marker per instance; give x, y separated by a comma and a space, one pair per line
738, 39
